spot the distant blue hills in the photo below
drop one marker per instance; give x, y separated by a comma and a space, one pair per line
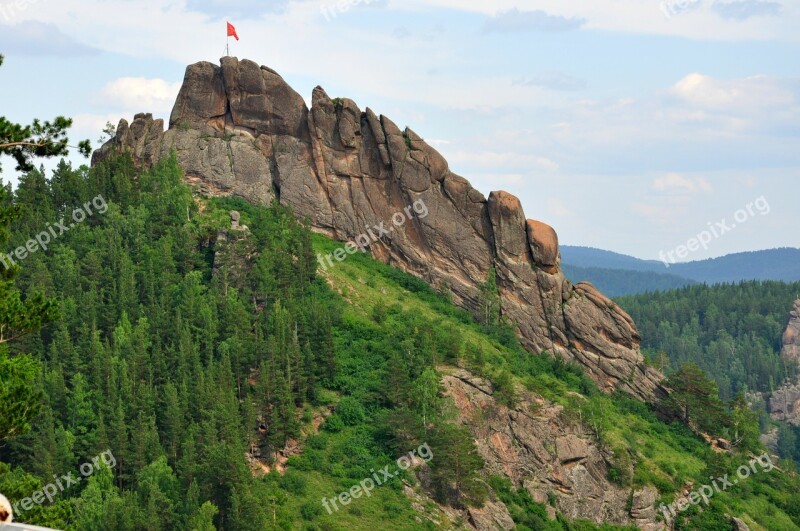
617, 274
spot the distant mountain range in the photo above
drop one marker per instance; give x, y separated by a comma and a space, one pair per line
617, 274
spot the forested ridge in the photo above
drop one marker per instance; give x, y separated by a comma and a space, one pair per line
182, 363
184, 345
732, 331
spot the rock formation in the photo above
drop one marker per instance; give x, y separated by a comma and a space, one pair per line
791, 337
554, 459
784, 404
240, 129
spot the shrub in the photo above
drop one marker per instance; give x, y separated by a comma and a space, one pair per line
350, 411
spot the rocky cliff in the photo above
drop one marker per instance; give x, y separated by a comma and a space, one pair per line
784, 404
240, 129
791, 337
540, 450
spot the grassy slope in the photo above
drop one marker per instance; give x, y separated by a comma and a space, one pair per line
668, 457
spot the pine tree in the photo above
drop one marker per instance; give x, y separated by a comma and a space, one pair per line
490, 301
39, 139
695, 399
455, 466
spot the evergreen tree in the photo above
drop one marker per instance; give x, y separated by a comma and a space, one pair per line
490, 301
695, 399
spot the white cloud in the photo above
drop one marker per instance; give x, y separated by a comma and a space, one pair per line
750, 93
554, 80
34, 38
142, 94
515, 20
674, 182
744, 9
86, 125
705, 20
507, 159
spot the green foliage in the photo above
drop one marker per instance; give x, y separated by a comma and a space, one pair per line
350, 411
490, 301
39, 139
731, 331
19, 397
182, 352
531, 516
19, 316
16, 484
695, 400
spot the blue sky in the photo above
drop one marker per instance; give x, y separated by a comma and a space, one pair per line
626, 124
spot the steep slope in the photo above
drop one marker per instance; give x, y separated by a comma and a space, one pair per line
538, 448
560, 444
238, 129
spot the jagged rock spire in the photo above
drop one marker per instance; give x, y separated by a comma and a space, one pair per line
240, 129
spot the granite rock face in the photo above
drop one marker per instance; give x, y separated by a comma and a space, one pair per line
239, 129
555, 459
784, 404
791, 337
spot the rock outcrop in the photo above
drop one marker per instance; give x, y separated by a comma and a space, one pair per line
784, 404
553, 458
239, 129
791, 337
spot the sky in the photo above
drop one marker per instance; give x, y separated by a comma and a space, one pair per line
628, 125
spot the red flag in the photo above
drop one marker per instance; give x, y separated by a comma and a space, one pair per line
232, 31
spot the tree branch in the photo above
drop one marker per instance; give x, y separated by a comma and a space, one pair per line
25, 144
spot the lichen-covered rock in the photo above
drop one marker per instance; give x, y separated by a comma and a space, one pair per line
240, 129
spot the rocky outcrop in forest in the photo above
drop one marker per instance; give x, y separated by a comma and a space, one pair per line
784, 404
239, 129
791, 337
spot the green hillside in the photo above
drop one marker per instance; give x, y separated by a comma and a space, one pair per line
732, 331
180, 352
